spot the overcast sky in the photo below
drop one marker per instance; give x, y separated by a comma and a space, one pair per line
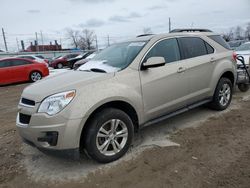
119, 19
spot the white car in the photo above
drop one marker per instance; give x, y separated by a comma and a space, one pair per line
244, 51
33, 57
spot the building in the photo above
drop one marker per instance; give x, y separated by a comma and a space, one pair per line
40, 48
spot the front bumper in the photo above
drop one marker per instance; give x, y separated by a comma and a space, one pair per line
51, 133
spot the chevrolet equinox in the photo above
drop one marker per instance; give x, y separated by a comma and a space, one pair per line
97, 108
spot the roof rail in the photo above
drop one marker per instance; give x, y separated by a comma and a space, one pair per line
189, 30
144, 35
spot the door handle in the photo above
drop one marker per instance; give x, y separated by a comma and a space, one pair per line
212, 60
181, 69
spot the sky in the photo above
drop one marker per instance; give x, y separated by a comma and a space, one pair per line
118, 19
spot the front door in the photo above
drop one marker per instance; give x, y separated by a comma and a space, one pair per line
164, 88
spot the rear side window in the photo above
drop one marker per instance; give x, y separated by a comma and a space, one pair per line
220, 40
166, 48
210, 49
19, 62
192, 47
5, 63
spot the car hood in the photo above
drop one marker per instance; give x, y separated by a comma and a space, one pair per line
92, 64
72, 80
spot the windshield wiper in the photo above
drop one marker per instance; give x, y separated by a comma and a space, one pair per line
98, 70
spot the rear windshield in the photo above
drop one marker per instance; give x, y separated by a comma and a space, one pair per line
220, 40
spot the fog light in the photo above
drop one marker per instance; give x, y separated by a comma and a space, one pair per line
50, 137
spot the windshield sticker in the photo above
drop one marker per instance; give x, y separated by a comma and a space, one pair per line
136, 44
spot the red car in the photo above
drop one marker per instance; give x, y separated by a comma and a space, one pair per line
62, 61
14, 70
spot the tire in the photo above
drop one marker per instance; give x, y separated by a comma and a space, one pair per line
59, 66
243, 87
35, 76
99, 132
222, 95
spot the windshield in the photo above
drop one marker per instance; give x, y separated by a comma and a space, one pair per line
243, 47
118, 56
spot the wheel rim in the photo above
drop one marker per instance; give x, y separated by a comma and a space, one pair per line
225, 94
59, 66
112, 137
35, 76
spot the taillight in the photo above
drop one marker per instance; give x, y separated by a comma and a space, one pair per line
234, 57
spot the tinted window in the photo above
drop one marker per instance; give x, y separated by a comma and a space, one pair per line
210, 49
19, 62
27, 57
220, 40
5, 63
192, 47
167, 48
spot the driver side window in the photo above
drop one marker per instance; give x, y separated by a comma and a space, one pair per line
166, 48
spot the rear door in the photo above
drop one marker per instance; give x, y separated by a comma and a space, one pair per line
163, 88
20, 70
199, 62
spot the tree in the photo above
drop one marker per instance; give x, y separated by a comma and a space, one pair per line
239, 33
228, 36
87, 38
247, 32
74, 36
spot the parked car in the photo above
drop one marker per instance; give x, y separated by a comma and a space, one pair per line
244, 51
236, 43
34, 58
72, 61
125, 87
14, 70
62, 61
83, 61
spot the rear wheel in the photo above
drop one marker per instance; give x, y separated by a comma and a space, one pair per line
243, 87
109, 135
222, 95
35, 76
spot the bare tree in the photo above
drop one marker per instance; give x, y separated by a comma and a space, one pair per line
247, 32
87, 39
147, 30
239, 33
74, 36
228, 36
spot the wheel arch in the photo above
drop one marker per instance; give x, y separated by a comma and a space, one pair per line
118, 104
229, 75
35, 70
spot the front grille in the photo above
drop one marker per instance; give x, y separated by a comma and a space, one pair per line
28, 102
24, 119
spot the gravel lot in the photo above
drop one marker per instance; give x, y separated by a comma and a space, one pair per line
200, 148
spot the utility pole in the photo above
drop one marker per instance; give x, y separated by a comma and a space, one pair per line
17, 44
4, 39
42, 38
169, 24
96, 43
36, 42
108, 41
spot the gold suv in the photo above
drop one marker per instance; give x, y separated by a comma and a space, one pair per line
127, 86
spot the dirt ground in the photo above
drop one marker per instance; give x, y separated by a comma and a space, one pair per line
216, 153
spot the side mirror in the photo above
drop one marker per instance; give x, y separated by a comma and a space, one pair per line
154, 62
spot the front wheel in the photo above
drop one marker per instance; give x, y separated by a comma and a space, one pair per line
35, 76
109, 135
59, 66
222, 95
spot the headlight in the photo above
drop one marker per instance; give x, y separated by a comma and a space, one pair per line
56, 103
